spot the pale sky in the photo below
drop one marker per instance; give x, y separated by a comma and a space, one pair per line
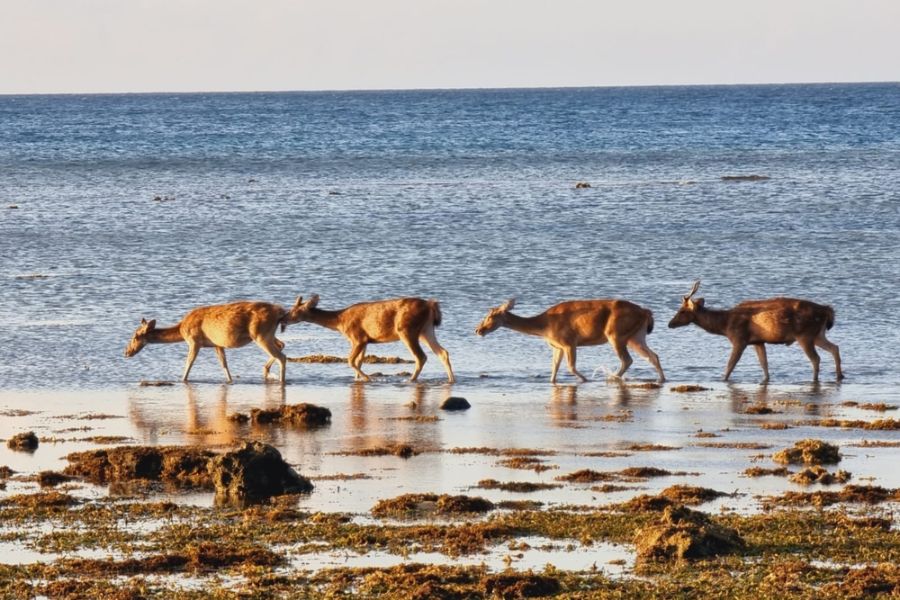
79, 46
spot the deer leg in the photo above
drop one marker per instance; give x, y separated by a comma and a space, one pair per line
271, 360
640, 346
570, 359
193, 349
267, 367
810, 349
828, 346
220, 352
737, 349
439, 351
417, 352
272, 348
361, 357
763, 360
356, 352
554, 364
625, 360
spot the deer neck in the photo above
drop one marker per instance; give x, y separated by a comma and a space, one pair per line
165, 335
527, 325
713, 321
326, 318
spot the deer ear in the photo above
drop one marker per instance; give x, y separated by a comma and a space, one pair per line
298, 302
313, 301
698, 303
143, 321
507, 306
151, 324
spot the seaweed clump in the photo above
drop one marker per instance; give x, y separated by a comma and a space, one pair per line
682, 533
23, 442
855, 494
298, 415
401, 450
867, 582
52, 478
809, 452
445, 504
523, 487
179, 465
877, 424
520, 585
672, 496
817, 474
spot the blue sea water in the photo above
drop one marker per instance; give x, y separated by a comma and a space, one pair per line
464, 196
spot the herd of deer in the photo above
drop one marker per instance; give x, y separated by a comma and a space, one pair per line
564, 327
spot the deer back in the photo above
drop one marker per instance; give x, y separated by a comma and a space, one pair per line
231, 325
384, 320
593, 321
780, 320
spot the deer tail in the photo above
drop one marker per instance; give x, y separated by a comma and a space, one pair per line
436, 315
829, 317
649, 322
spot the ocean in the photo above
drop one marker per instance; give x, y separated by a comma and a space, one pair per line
132, 206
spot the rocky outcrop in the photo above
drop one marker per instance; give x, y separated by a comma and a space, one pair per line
254, 472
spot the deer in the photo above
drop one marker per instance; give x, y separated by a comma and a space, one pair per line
760, 322
219, 326
568, 325
409, 320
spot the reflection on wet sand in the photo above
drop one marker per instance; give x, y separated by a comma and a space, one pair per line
205, 420
563, 404
810, 397
373, 425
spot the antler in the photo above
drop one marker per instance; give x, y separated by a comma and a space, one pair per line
693, 289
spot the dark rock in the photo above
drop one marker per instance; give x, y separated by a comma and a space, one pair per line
254, 472
683, 533
455, 403
6, 472
582, 185
23, 442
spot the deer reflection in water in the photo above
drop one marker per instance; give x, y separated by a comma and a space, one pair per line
386, 425
157, 420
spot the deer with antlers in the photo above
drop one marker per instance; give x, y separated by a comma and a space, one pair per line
409, 320
760, 322
219, 326
568, 325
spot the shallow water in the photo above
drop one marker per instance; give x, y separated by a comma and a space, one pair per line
566, 422
465, 196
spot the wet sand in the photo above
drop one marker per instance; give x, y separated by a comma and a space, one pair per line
705, 438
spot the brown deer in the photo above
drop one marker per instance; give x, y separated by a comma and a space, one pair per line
761, 322
219, 326
568, 325
405, 319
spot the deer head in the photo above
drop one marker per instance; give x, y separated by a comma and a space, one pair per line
687, 313
139, 339
495, 318
300, 311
